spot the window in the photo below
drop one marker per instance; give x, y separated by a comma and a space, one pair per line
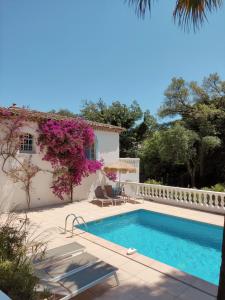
91, 152
26, 143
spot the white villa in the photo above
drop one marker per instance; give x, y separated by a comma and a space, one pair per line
106, 147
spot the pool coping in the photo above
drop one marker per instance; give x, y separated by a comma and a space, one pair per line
190, 280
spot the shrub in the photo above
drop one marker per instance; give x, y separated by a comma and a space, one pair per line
17, 251
153, 181
17, 279
219, 187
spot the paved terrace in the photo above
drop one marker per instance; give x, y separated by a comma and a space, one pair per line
140, 277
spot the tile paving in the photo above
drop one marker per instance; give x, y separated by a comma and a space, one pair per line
140, 277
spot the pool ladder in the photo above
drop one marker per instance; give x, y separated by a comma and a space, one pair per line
75, 219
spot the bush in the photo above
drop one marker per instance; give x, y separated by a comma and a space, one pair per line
153, 181
219, 187
17, 251
17, 280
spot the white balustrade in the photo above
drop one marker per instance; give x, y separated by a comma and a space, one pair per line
192, 198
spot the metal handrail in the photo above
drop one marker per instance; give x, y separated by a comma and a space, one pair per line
77, 219
67, 219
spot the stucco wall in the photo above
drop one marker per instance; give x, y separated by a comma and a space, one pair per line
12, 195
107, 146
133, 177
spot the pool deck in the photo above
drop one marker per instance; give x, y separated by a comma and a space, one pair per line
140, 277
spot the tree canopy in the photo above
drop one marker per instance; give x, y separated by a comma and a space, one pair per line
138, 124
189, 150
195, 136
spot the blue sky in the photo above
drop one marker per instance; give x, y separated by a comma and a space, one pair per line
54, 53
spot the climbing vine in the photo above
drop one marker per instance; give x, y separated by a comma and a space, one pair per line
63, 143
19, 169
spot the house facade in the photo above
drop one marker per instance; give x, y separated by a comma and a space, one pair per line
106, 148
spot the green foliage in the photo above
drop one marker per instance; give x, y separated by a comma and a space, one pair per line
177, 145
117, 114
138, 125
17, 278
210, 142
177, 99
63, 112
153, 181
174, 146
11, 242
194, 143
219, 187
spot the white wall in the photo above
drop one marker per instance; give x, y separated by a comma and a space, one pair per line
12, 196
108, 150
133, 177
108, 146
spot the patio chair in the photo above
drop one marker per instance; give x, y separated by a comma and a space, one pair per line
101, 195
63, 252
68, 277
65, 267
116, 198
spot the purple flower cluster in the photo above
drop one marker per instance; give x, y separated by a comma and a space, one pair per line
63, 143
111, 176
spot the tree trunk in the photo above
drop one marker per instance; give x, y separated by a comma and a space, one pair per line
27, 190
191, 172
193, 179
221, 288
201, 165
71, 192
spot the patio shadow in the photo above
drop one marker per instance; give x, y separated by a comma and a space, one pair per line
164, 288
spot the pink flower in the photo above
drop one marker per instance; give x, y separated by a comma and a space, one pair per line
111, 176
63, 143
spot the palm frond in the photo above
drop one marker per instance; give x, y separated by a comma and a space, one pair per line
141, 6
188, 13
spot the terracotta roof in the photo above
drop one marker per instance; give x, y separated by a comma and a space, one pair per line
35, 115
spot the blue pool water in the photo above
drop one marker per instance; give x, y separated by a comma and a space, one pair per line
190, 246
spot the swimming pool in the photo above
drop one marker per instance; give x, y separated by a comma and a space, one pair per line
190, 246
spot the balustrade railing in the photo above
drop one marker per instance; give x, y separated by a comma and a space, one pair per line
130, 160
198, 199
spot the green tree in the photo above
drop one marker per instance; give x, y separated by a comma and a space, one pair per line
178, 147
151, 165
63, 112
137, 124
175, 146
195, 105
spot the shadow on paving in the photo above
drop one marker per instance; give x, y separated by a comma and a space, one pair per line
167, 288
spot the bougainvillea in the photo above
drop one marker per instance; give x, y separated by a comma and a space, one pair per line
111, 176
63, 143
